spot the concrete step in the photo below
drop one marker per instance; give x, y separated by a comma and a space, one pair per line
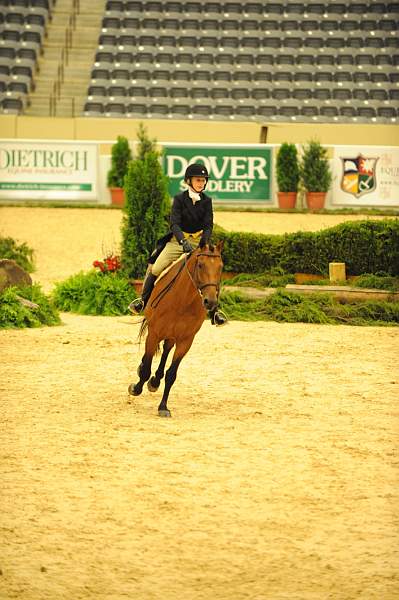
80, 58
75, 55
57, 38
67, 107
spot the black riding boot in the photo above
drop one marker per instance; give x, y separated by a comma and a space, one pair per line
139, 304
217, 317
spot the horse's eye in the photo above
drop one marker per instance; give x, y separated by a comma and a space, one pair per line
200, 265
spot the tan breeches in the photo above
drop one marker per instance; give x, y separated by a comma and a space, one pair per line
171, 252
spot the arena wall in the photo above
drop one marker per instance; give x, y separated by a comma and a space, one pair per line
22, 127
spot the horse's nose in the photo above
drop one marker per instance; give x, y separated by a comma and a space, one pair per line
209, 304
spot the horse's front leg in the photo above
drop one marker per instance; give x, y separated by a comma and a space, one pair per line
182, 347
144, 368
155, 380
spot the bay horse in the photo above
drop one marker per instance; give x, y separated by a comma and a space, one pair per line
175, 313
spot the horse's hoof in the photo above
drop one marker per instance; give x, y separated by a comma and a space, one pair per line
134, 390
164, 413
151, 386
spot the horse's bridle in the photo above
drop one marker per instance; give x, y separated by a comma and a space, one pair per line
193, 276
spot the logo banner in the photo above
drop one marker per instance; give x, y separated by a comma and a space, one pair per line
366, 176
241, 174
48, 171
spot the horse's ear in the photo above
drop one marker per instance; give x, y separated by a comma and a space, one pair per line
220, 245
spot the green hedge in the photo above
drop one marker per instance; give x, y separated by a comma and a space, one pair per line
365, 246
94, 293
15, 315
21, 253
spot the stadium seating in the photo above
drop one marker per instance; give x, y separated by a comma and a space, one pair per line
22, 29
289, 60
247, 60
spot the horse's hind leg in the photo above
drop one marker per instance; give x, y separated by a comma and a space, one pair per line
155, 380
144, 369
182, 348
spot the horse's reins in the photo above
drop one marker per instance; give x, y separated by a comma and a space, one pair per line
168, 287
199, 289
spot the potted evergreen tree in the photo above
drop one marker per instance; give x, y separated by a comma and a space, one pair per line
146, 206
287, 172
121, 156
315, 174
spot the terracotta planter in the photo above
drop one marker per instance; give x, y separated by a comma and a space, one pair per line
286, 199
137, 284
301, 278
117, 196
315, 200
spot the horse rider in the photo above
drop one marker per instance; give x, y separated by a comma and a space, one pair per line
191, 225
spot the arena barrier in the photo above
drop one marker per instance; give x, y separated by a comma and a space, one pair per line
240, 174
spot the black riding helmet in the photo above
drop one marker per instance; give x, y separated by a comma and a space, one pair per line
196, 170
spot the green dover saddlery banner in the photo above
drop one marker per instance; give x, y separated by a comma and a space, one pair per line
237, 173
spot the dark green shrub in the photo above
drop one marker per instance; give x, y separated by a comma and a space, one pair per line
287, 168
15, 315
94, 293
315, 170
121, 155
365, 246
378, 282
146, 205
21, 253
274, 278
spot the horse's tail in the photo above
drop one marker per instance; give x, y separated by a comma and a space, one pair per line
142, 333
143, 329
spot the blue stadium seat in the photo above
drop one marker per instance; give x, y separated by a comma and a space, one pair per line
387, 112
289, 111
203, 76
261, 95
245, 111
201, 111
224, 111
330, 112
115, 109
309, 111
347, 112
93, 109
266, 111
12, 106
366, 112
158, 111
179, 93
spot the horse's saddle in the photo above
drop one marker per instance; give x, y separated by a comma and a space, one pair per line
161, 275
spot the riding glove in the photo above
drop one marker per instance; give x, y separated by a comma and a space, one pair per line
187, 247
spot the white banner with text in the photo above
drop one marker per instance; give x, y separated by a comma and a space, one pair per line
48, 170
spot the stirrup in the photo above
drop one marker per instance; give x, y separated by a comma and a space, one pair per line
219, 318
137, 306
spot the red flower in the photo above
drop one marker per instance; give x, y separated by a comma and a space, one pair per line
110, 264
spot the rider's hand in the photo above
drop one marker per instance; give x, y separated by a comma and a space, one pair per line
187, 247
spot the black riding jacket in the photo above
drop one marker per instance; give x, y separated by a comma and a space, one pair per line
189, 218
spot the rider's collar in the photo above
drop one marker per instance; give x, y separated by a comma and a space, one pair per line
195, 197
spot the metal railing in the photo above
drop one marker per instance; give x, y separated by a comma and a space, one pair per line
55, 95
